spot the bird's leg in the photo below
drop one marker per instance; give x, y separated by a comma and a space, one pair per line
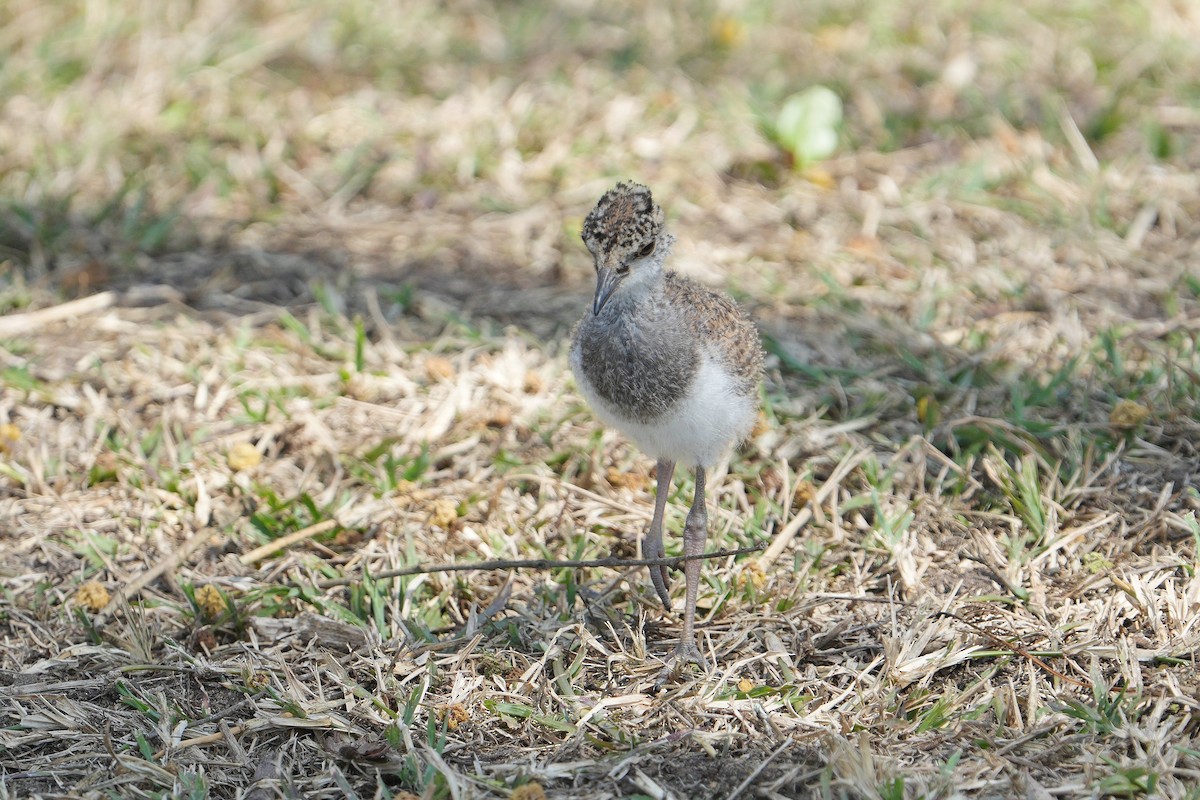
652, 545
695, 531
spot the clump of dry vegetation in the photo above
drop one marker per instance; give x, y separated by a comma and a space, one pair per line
285, 291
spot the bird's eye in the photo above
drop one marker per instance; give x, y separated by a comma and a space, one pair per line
647, 249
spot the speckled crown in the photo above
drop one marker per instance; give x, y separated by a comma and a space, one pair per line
625, 219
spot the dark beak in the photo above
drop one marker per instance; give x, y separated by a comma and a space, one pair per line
606, 281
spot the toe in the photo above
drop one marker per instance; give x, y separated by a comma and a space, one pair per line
658, 576
685, 653
688, 653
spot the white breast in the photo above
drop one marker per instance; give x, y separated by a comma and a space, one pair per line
711, 417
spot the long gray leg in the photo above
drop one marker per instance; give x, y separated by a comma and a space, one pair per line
652, 545
695, 532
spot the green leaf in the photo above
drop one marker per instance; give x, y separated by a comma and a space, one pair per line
807, 125
518, 710
145, 748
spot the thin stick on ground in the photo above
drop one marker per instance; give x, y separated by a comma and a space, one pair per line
272, 547
14, 324
543, 563
207, 738
1006, 645
171, 562
780, 543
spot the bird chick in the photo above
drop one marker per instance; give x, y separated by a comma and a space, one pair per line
670, 363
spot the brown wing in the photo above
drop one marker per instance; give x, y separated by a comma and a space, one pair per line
721, 326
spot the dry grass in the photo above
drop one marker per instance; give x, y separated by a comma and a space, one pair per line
340, 249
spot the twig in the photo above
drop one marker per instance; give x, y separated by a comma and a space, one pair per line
758, 770
235, 747
1029, 737
1012, 648
274, 546
1079, 144
206, 739
849, 462
1177, 116
181, 554
818, 598
543, 563
229, 711
27, 323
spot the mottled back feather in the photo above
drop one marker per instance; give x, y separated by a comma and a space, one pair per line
720, 327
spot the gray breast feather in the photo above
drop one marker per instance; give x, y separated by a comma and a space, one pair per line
642, 370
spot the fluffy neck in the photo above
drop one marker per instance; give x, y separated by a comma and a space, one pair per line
643, 280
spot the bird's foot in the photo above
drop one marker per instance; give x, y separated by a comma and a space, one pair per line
685, 653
